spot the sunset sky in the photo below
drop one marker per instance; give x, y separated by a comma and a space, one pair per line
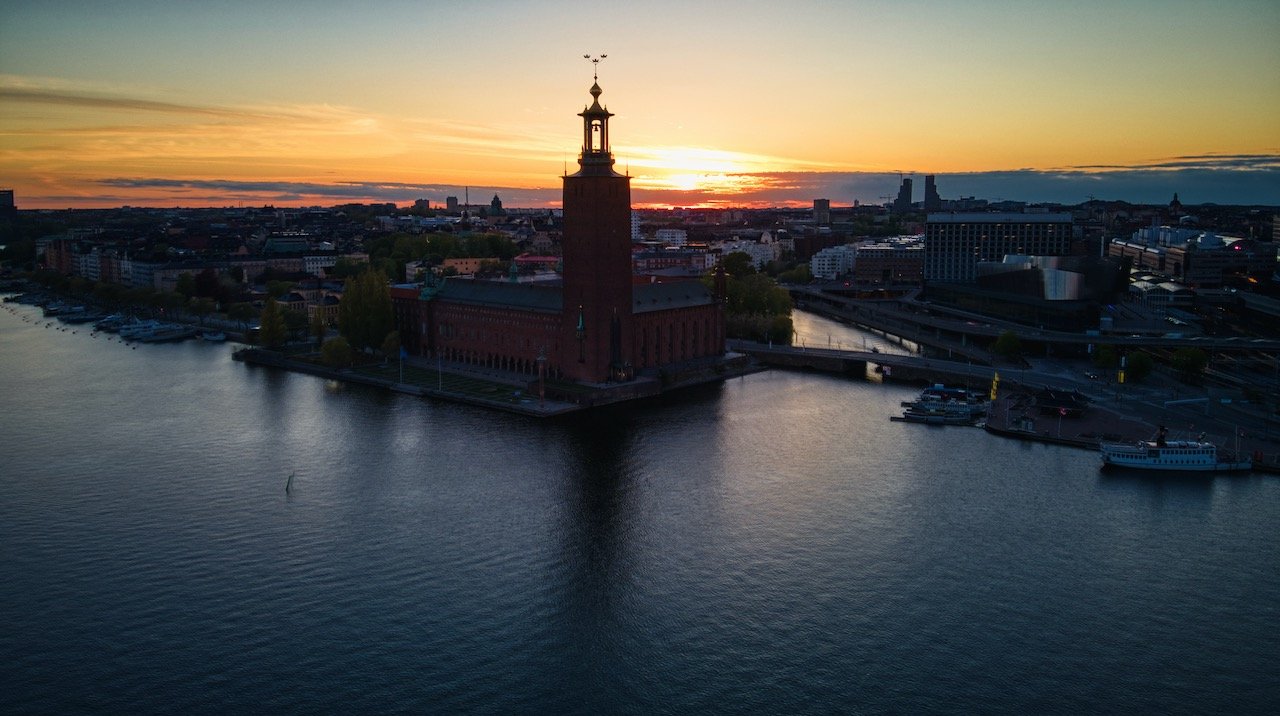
225, 102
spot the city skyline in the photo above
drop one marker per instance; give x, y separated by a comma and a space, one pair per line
723, 104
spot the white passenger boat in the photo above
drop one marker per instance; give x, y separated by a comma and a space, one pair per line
954, 402
1164, 455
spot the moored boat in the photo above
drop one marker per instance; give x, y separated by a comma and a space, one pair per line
1163, 455
959, 403
166, 332
132, 330
934, 417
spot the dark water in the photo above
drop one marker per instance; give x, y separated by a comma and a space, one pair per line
772, 545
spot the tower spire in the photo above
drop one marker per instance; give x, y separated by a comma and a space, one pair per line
595, 65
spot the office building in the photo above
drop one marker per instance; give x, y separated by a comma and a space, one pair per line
954, 243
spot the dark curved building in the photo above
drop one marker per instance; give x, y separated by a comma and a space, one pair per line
594, 325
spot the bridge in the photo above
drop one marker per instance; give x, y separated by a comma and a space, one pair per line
893, 366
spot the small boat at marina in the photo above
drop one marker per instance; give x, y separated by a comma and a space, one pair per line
133, 329
934, 417
940, 397
166, 332
940, 405
1163, 455
213, 336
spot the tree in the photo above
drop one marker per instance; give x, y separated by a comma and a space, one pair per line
295, 321
364, 313
1106, 358
1190, 364
206, 283
319, 329
169, 301
1139, 365
346, 268
110, 294
756, 308
738, 264
391, 345
1007, 345
799, 274
186, 285
271, 328
241, 313
276, 289
201, 307
336, 352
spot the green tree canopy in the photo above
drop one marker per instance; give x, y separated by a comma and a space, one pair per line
738, 264
319, 328
186, 285
1106, 357
295, 321
799, 274
1190, 363
271, 328
756, 308
276, 289
390, 347
201, 307
364, 313
1008, 345
336, 352
1139, 366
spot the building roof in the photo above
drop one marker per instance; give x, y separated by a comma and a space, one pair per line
666, 296
996, 218
527, 296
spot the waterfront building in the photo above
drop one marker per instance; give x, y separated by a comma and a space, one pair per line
954, 243
594, 325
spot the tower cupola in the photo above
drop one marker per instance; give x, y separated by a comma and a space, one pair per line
596, 158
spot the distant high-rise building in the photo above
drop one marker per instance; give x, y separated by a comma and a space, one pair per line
954, 243
903, 202
822, 212
422, 205
7, 207
495, 206
451, 204
932, 202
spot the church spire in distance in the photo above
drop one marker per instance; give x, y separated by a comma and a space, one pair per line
595, 157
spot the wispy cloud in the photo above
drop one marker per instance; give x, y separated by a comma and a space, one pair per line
1234, 162
41, 96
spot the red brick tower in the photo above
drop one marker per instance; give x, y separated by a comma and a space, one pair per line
597, 320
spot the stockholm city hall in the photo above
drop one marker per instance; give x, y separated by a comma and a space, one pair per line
598, 324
